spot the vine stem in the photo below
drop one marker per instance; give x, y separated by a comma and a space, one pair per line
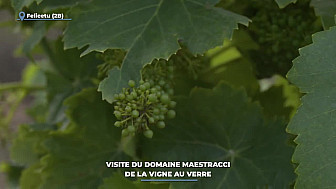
20, 86
13, 108
5, 126
22, 91
126, 119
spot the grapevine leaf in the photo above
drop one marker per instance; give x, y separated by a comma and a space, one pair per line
13, 173
117, 180
58, 89
19, 4
314, 123
290, 92
26, 148
147, 29
327, 10
223, 125
31, 177
38, 33
284, 3
108, 87
33, 75
72, 74
60, 4
71, 66
281, 99
273, 102
76, 156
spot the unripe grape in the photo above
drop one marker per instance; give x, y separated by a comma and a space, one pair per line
156, 117
134, 94
129, 97
163, 109
138, 120
131, 129
148, 133
172, 104
151, 82
162, 82
121, 96
135, 113
117, 124
131, 83
167, 86
147, 85
161, 125
152, 98
117, 114
165, 99
151, 120
124, 132
156, 111
171, 114
128, 109
171, 92
142, 87
153, 90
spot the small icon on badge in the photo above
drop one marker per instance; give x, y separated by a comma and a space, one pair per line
22, 15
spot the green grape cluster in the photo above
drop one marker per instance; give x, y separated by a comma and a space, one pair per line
111, 58
147, 104
278, 32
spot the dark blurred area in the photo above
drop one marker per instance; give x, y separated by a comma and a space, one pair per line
10, 66
10, 71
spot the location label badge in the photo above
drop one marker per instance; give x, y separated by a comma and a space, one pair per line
22, 15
